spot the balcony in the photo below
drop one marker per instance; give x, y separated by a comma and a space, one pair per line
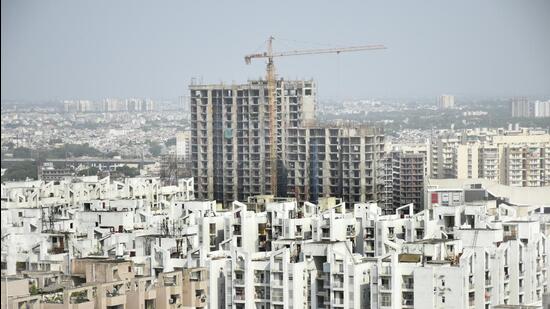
408, 302
115, 299
239, 281
337, 284
277, 267
262, 281
385, 271
239, 297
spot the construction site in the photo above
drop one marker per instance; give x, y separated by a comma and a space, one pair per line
261, 138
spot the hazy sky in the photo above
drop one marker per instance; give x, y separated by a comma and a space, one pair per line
94, 49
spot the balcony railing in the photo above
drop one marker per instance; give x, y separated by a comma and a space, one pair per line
239, 281
239, 297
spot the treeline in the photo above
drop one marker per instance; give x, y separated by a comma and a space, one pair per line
67, 150
17, 171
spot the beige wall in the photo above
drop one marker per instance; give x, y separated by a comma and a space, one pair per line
195, 281
102, 271
13, 288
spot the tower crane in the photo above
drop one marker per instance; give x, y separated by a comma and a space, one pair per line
271, 85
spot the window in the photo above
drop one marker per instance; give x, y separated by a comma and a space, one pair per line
386, 300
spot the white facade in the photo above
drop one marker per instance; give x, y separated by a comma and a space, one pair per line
465, 250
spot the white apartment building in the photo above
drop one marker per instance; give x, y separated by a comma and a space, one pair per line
514, 157
471, 247
446, 101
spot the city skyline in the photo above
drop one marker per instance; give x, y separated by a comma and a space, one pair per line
72, 49
174, 155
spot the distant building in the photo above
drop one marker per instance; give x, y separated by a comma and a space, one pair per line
48, 172
183, 149
520, 107
80, 106
541, 109
446, 101
109, 105
510, 157
523, 108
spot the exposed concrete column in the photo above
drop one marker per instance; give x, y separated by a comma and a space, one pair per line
235, 139
210, 140
362, 167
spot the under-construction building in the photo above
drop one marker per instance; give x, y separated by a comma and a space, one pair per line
230, 146
230, 136
402, 176
334, 161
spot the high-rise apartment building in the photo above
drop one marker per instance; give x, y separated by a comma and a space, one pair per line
541, 109
402, 179
334, 161
80, 106
230, 146
513, 157
183, 149
443, 149
230, 135
522, 107
527, 165
446, 101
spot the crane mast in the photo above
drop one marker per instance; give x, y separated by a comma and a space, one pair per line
272, 85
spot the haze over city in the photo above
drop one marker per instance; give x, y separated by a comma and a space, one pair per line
273, 155
78, 49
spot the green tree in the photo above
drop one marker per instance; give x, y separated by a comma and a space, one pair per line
22, 152
170, 141
19, 170
91, 171
34, 290
72, 150
127, 171
155, 149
